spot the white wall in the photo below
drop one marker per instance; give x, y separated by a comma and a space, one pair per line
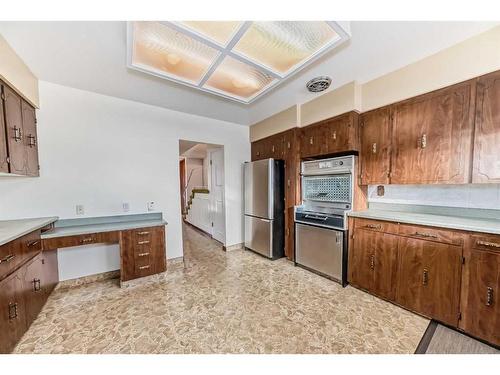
486, 196
101, 151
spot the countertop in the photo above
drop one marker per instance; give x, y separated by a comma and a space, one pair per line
101, 227
13, 229
472, 224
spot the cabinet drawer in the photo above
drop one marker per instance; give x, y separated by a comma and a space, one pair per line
431, 234
69, 241
485, 242
17, 252
376, 225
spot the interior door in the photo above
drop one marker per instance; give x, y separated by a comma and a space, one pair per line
486, 165
217, 194
4, 166
30, 139
375, 137
15, 133
432, 137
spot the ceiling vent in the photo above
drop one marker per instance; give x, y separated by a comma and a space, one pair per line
319, 84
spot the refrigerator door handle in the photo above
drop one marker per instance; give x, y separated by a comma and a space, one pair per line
266, 220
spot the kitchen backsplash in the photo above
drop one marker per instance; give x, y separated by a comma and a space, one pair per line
485, 196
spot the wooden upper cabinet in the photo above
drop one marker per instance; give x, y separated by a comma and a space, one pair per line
432, 137
429, 278
486, 164
14, 131
30, 139
4, 165
257, 150
341, 133
375, 149
312, 140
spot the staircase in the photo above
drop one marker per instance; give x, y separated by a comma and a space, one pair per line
198, 190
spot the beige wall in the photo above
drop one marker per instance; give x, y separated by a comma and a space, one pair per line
468, 59
279, 122
15, 72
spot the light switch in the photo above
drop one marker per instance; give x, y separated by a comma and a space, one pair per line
80, 209
151, 206
126, 207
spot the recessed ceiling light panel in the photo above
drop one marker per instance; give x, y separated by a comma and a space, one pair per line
237, 60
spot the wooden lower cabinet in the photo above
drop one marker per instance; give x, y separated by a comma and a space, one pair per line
32, 288
290, 233
373, 262
429, 278
481, 289
12, 311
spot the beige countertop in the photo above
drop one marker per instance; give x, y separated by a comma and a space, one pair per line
13, 229
472, 224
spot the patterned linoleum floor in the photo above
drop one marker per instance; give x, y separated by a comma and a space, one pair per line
218, 302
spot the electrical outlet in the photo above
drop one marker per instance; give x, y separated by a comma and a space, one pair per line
151, 206
80, 209
126, 207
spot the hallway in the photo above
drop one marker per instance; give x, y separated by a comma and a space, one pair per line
218, 302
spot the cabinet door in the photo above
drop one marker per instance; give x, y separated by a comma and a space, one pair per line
312, 140
432, 137
375, 134
4, 166
486, 164
15, 133
361, 259
481, 293
341, 133
30, 139
34, 295
50, 272
257, 150
276, 147
384, 265
12, 313
429, 278
290, 233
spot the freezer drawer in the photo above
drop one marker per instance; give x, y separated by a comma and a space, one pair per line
259, 235
320, 249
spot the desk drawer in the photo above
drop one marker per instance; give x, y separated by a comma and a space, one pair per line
69, 241
18, 251
431, 234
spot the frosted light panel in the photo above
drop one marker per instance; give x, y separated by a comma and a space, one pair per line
281, 45
170, 52
220, 32
237, 78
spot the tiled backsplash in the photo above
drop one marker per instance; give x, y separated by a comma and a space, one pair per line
486, 196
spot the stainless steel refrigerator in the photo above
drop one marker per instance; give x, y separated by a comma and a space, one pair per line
264, 207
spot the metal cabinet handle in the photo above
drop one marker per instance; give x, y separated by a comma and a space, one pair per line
373, 226
426, 235
288, 145
142, 254
142, 233
88, 239
8, 258
144, 267
372, 262
311, 140
272, 149
37, 285
489, 296
33, 243
423, 141
374, 148
18, 134
425, 277
488, 244
12, 310
314, 217
288, 183
334, 135
287, 231
142, 242
31, 140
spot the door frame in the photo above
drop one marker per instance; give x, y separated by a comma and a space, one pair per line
182, 183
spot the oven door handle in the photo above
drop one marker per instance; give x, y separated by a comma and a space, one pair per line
314, 217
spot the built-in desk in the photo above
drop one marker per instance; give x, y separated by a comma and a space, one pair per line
141, 238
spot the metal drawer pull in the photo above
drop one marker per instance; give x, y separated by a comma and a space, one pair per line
8, 258
426, 235
489, 296
33, 243
144, 267
373, 226
423, 141
425, 277
88, 239
311, 140
12, 310
18, 134
488, 244
372, 262
142, 242
37, 285
374, 148
142, 254
142, 233
31, 140
314, 217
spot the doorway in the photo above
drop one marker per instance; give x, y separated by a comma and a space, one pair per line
201, 178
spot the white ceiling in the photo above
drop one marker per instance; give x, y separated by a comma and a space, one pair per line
92, 56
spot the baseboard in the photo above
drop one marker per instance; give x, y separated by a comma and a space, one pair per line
71, 283
238, 246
